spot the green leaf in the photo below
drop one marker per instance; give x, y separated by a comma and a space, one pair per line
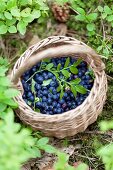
3, 71
2, 6
67, 62
100, 8
90, 26
4, 81
92, 16
10, 102
2, 107
49, 66
81, 89
77, 62
33, 86
110, 18
58, 67
10, 93
81, 11
107, 10
21, 26
73, 89
2, 16
59, 88
61, 93
46, 82
12, 29
11, 4
36, 13
10, 22
28, 19
3, 28
80, 17
25, 2
15, 12
73, 69
66, 73
104, 15
49, 149
42, 141
25, 12
82, 166
47, 60
8, 15
76, 81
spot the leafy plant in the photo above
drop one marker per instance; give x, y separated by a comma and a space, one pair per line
62, 75
16, 15
6, 91
106, 151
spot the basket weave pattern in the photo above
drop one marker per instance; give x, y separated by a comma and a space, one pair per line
73, 121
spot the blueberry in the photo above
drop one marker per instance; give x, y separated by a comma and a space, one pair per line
80, 74
58, 105
50, 95
54, 91
37, 86
62, 101
49, 100
50, 108
44, 104
31, 98
67, 109
89, 86
86, 86
24, 96
39, 95
79, 103
46, 107
53, 78
59, 110
81, 99
40, 79
83, 64
69, 104
26, 77
34, 69
51, 89
29, 94
55, 97
68, 98
45, 92
26, 87
65, 94
52, 83
38, 104
88, 77
54, 104
72, 95
50, 75
54, 110
64, 105
51, 112
44, 98
75, 76
44, 88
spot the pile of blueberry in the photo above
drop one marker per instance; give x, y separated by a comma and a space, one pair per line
46, 99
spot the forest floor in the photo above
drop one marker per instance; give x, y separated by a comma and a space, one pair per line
81, 147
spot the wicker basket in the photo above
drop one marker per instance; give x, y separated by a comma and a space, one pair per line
73, 121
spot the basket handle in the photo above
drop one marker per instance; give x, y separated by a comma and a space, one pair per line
55, 52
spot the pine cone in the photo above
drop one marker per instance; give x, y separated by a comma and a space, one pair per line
61, 13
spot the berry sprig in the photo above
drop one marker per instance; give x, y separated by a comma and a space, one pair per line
57, 85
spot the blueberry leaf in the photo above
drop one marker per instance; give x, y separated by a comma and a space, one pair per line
73, 89
59, 88
61, 93
37, 110
66, 73
49, 66
67, 62
76, 81
81, 89
37, 99
2, 107
47, 60
46, 82
77, 62
33, 86
58, 67
73, 70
